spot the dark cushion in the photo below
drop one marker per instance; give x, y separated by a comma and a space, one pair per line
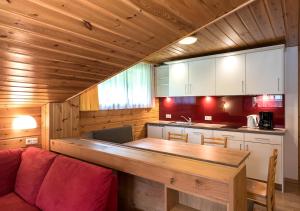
34, 166
75, 185
117, 135
12, 202
9, 165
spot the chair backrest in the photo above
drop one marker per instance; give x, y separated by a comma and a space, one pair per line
271, 180
214, 141
177, 137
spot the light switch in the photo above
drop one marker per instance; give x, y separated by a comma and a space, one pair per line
168, 116
31, 140
208, 118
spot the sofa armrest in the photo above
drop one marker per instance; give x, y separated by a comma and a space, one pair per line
9, 164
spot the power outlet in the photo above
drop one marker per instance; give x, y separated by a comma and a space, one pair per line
208, 118
31, 140
168, 116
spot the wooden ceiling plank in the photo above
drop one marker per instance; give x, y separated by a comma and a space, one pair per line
51, 90
238, 26
208, 35
39, 12
260, 14
53, 71
21, 60
45, 81
33, 94
134, 18
246, 16
43, 75
291, 19
13, 33
275, 14
12, 19
82, 11
29, 48
230, 32
214, 29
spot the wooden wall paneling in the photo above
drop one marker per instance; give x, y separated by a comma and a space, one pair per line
45, 128
89, 100
12, 138
102, 119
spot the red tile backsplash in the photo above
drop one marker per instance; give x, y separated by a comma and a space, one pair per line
224, 110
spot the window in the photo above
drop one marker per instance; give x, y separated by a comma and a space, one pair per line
129, 89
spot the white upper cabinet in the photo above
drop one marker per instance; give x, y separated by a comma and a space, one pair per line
230, 75
202, 77
162, 81
178, 79
265, 72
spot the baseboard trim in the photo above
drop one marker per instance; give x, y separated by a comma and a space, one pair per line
289, 180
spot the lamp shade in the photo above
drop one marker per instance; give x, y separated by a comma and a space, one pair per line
24, 122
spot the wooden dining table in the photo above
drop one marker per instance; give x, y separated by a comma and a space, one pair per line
212, 154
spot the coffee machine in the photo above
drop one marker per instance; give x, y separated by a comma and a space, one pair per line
265, 120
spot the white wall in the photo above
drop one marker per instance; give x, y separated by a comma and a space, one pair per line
291, 114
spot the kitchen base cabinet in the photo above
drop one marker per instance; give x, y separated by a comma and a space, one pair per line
235, 140
260, 151
154, 131
178, 130
194, 135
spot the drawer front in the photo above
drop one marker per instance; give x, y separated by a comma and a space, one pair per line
194, 135
263, 138
236, 136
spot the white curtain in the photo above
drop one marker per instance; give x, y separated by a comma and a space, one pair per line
129, 89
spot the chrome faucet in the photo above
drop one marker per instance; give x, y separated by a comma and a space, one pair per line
188, 120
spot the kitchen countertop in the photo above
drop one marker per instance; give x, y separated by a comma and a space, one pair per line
218, 155
275, 131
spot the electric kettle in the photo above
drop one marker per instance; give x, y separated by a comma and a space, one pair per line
252, 121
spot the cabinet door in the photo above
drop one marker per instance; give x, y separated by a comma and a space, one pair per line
258, 161
194, 135
265, 72
155, 131
231, 144
162, 81
202, 77
235, 140
167, 129
230, 75
178, 79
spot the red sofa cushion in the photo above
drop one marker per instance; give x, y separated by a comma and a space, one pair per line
12, 202
75, 185
35, 164
9, 165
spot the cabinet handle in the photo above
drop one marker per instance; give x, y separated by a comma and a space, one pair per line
262, 139
185, 88
190, 88
247, 147
278, 80
242, 86
228, 136
240, 146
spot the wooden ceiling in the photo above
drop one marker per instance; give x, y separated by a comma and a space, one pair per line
52, 50
261, 23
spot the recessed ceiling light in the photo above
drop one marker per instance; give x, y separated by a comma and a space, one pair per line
188, 40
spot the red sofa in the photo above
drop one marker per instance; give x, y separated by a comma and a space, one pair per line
35, 179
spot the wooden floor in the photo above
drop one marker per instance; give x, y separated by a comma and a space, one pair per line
288, 201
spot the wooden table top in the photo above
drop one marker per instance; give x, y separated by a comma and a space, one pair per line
224, 156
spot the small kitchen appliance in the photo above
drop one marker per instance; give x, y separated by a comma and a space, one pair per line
265, 120
252, 121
